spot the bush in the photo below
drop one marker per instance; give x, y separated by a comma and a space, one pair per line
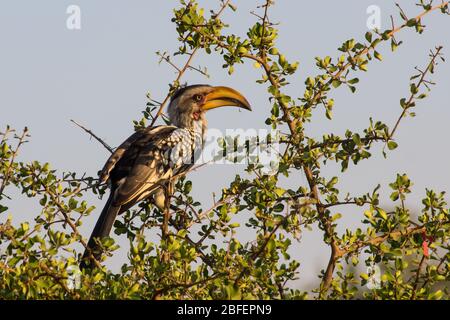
409, 258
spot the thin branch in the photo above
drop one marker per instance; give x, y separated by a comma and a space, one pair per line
416, 281
94, 136
421, 81
379, 239
182, 71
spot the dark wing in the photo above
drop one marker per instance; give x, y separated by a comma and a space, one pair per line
119, 152
140, 163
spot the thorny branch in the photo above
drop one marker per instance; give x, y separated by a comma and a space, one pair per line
111, 150
422, 81
182, 70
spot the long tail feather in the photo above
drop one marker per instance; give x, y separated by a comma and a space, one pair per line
101, 230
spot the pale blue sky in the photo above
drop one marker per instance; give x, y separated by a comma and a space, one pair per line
100, 75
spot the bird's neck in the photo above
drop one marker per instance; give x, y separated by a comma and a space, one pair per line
199, 128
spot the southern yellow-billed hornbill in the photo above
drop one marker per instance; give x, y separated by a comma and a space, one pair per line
142, 165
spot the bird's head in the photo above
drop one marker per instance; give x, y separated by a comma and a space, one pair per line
189, 104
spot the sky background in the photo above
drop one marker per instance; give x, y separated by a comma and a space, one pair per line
100, 75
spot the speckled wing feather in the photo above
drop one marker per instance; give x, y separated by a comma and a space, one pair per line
144, 161
124, 147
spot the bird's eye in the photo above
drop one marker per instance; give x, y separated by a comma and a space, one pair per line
197, 97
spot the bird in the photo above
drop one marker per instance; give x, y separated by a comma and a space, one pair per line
141, 167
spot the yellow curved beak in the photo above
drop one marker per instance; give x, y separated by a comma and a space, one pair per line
225, 96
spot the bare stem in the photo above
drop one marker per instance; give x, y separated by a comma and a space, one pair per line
94, 136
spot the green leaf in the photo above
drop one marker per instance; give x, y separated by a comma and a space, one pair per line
378, 56
382, 214
271, 245
411, 22
403, 103
187, 187
394, 45
3, 208
233, 292
336, 217
353, 81
394, 196
392, 145
336, 83
25, 226
436, 295
279, 207
72, 203
182, 233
